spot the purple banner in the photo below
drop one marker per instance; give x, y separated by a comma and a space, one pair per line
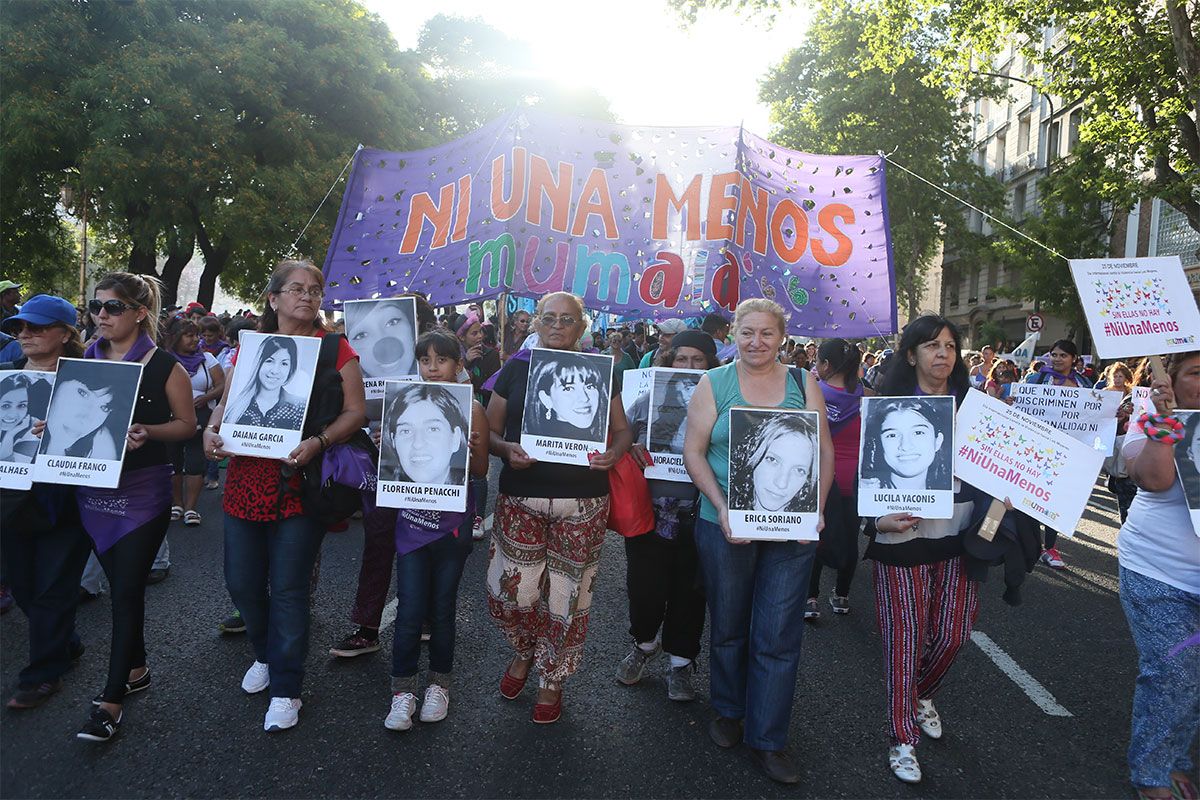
653, 221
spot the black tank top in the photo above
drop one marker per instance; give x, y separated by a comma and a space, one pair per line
152, 409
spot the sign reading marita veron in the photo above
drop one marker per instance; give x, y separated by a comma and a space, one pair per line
1089, 415
1004, 452
566, 405
268, 396
384, 334
91, 408
774, 474
671, 391
24, 397
1137, 306
906, 457
1187, 463
424, 446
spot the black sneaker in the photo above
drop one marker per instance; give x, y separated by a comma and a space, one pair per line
132, 687
33, 696
361, 642
157, 576
233, 623
100, 727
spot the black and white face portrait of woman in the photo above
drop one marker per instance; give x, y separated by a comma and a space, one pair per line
568, 395
24, 398
907, 443
773, 461
426, 430
383, 333
90, 410
672, 391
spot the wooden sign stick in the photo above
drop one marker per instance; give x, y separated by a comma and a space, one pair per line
1159, 372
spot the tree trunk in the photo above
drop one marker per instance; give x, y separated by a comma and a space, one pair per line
1186, 51
181, 245
142, 259
215, 258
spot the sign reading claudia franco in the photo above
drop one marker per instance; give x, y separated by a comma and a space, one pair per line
268, 397
1187, 463
566, 405
1004, 452
24, 396
906, 457
774, 474
671, 391
424, 446
91, 408
384, 334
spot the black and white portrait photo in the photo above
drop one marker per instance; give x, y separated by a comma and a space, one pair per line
384, 334
566, 405
906, 458
24, 398
1187, 463
90, 410
268, 395
673, 390
774, 473
424, 446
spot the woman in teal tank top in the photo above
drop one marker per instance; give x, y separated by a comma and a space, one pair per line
755, 657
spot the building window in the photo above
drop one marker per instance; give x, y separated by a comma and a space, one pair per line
1023, 134
1018, 204
1052, 141
1001, 146
1073, 124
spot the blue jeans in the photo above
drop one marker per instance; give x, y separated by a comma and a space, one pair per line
756, 595
267, 570
212, 470
479, 487
1166, 698
427, 589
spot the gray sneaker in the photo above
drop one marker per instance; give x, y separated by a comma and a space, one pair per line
630, 670
679, 683
840, 605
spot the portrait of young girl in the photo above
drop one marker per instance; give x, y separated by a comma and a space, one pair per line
425, 434
24, 397
568, 395
773, 463
90, 409
907, 443
268, 395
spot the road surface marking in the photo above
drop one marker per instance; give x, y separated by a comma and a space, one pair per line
1035, 691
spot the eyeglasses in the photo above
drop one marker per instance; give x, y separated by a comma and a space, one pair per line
555, 320
35, 330
296, 290
115, 308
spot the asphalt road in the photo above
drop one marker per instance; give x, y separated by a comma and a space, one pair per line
195, 734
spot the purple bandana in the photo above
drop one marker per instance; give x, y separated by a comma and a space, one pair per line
841, 406
349, 466
1057, 378
490, 383
192, 363
109, 514
142, 345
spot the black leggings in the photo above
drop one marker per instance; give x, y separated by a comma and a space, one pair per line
842, 514
127, 564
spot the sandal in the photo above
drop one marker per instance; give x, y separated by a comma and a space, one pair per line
176, 513
1182, 787
903, 761
191, 518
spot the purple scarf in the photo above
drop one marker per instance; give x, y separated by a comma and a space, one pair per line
142, 345
841, 406
109, 514
1056, 378
416, 528
192, 363
490, 383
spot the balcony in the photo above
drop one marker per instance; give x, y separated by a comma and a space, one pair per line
1020, 165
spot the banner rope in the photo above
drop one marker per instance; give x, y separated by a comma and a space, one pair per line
338, 180
886, 157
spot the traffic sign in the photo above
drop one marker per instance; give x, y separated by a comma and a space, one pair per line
1034, 323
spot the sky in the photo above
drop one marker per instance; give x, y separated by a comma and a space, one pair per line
707, 74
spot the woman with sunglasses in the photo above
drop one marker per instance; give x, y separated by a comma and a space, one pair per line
41, 540
550, 524
271, 545
125, 309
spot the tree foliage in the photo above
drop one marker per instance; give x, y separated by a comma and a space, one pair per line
827, 97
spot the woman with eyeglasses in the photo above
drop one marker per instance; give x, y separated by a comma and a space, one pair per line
550, 522
42, 541
129, 524
271, 545
1000, 380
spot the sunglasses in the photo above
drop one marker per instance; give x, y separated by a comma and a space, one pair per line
36, 330
552, 321
115, 308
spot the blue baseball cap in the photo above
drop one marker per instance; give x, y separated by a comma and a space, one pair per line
44, 309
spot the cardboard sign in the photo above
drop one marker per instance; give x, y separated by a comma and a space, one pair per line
1187, 463
566, 405
269, 393
1006, 453
384, 334
1137, 306
425, 446
774, 474
671, 391
24, 398
91, 409
1089, 415
906, 457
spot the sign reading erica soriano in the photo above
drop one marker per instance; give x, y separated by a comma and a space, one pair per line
650, 220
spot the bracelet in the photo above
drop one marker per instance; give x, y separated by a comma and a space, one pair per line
322, 440
212, 428
1162, 428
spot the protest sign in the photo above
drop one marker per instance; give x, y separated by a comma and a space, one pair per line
671, 392
268, 396
653, 222
424, 446
24, 398
1006, 453
1187, 463
566, 405
1137, 306
774, 474
384, 334
1022, 356
1089, 415
91, 409
906, 457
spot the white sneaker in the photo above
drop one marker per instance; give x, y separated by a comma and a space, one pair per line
283, 713
477, 530
903, 761
404, 705
929, 719
257, 678
436, 704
